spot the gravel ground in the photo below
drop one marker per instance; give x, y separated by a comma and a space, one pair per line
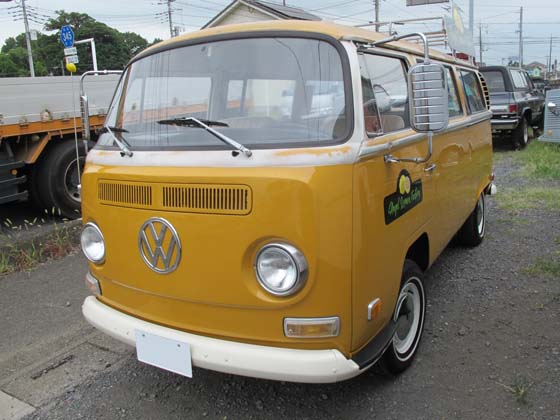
491, 349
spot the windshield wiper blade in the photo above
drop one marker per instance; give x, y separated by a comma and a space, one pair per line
125, 151
191, 121
106, 128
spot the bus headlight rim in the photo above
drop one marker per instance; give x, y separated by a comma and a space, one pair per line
93, 243
298, 266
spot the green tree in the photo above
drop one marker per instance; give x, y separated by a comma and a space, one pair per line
7, 67
114, 48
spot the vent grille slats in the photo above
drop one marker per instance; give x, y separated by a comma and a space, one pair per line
221, 199
125, 194
188, 198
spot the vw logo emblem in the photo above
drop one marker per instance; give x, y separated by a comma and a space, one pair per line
159, 245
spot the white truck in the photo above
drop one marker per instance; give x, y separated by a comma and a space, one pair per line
38, 153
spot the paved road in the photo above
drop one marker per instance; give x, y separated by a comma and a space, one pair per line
491, 332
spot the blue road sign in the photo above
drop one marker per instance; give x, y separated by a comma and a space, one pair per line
67, 36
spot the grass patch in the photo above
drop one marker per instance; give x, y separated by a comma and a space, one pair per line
547, 266
515, 200
519, 388
59, 243
540, 160
517, 221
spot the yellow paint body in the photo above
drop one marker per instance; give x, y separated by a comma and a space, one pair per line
214, 290
333, 213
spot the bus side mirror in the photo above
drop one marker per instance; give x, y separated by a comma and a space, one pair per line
552, 108
84, 105
427, 92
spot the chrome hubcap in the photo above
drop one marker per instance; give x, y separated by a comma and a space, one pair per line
71, 180
407, 317
480, 216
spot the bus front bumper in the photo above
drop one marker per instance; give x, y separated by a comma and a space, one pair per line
293, 365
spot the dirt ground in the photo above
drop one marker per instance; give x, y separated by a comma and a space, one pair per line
490, 350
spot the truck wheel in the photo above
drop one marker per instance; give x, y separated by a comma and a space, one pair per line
521, 134
409, 316
472, 232
36, 194
59, 181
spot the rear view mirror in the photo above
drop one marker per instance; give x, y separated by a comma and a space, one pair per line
427, 90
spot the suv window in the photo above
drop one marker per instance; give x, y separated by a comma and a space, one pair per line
519, 81
473, 92
452, 96
495, 80
385, 92
529, 81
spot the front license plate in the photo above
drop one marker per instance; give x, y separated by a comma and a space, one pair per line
164, 353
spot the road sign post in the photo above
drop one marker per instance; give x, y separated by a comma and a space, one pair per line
72, 59
67, 36
70, 51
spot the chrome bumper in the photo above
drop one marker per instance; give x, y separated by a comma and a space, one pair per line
504, 124
310, 366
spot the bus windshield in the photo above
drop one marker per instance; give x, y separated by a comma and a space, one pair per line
262, 92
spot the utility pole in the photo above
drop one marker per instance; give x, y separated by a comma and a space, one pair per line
480, 42
28, 40
471, 18
521, 37
170, 17
549, 67
376, 7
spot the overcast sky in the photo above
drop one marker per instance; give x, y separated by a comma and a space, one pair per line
499, 19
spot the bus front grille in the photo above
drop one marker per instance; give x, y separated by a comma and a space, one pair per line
200, 198
187, 198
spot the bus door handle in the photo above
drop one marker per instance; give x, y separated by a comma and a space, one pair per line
430, 167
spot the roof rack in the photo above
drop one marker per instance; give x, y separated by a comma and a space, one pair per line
436, 38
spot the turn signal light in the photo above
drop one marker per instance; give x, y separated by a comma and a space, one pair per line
312, 327
93, 284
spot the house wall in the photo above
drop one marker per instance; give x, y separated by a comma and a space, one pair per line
243, 14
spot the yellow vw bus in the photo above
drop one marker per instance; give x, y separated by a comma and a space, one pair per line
265, 198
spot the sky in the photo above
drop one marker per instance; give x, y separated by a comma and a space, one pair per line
496, 20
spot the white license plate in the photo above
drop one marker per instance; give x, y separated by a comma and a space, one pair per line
164, 353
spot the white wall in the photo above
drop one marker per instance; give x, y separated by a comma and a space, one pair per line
243, 14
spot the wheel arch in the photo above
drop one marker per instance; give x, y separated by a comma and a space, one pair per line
419, 251
527, 113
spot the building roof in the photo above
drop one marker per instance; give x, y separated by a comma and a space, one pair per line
536, 64
285, 12
274, 9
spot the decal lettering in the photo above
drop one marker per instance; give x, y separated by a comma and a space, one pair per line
408, 195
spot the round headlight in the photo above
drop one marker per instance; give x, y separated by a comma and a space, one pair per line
281, 269
93, 244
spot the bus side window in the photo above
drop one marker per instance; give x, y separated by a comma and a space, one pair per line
385, 80
473, 92
454, 103
371, 116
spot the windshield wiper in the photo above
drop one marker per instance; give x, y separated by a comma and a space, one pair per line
125, 151
193, 122
106, 128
